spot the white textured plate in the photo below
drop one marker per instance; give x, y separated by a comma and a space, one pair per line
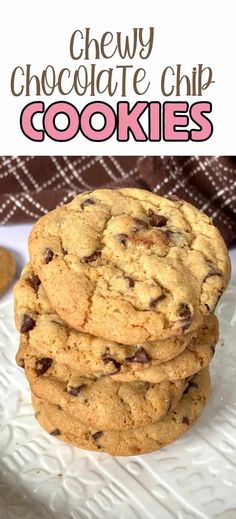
195, 477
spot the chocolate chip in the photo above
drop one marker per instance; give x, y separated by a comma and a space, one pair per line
27, 324
184, 311
140, 356
42, 365
122, 238
93, 257
74, 391
55, 432
107, 358
130, 281
48, 256
185, 420
35, 282
139, 225
21, 363
59, 407
157, 220
97, 435
88, 201
153, 302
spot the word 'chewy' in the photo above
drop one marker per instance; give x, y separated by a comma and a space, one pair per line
170, 121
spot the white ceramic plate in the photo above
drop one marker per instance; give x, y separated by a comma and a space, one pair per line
195, 477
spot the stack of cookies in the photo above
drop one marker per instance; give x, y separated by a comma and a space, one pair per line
116, 316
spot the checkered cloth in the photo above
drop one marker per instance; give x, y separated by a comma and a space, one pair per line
31, 186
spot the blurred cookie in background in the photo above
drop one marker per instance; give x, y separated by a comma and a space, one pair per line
7, 269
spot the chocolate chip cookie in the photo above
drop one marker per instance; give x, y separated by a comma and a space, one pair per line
89, 356
133, 441
128, 265
103, 402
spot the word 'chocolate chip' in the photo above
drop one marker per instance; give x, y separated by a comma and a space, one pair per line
185, 420
93, 257
27, 324
88, 201
42, 365
122, 238
139, 225
157, 220
56, 432
97, 435
48, 256
74, 391
35, 282
107, 358
140, 356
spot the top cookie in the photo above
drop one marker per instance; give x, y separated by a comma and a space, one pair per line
129, 265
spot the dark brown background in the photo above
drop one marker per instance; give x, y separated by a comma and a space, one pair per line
30, 186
